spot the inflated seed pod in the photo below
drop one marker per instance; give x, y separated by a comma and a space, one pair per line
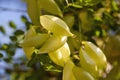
33, 11
95, 53
35, 41
67, 71
52, 44
49, 6
61, 55
30, 33
88, 63
55, 25
81, 74
29, 50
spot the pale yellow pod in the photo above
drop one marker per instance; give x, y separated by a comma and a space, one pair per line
56, 25
67, 71
88, 63
95, 53
81, 74
52, 44
49, 6
61, 55
29, 50
30, 33
33, 11
35, 41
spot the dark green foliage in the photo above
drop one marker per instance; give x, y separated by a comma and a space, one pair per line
12, 24
2, 29
1, 55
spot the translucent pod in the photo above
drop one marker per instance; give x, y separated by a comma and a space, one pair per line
88, 63
61, 55
81, 74
30, 33
52, 44
29, 50
95, 53
33, 11
67, 71
36, 41
56, 25
35, 8
49, 6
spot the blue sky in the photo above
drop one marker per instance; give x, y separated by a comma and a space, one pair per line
10, 10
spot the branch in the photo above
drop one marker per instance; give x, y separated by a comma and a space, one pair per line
10, 9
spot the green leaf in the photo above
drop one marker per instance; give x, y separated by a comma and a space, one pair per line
89, 2
18, 32
69, 19
51, 67
12, 24
45, 62
1, 55
76, 5
4, 47
13, 38
2, 29
24, 19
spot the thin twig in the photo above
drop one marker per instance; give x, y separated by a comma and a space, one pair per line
10, 9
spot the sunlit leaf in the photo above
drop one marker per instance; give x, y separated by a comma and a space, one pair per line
89, 2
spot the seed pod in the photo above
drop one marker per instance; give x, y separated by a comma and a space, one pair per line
33, 11
35, 41
61, 55
67, 71
88, 63
49, 6
52, 44
95, 53
56, 25
30, 33
81, 74
29, 50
